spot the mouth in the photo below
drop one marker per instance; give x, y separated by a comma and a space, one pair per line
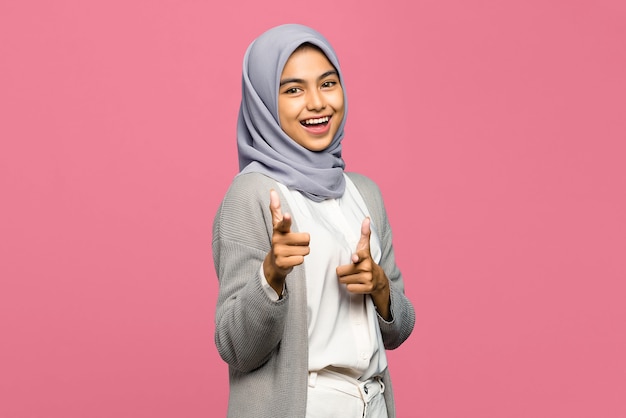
315, 122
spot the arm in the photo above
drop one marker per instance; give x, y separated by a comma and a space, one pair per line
396, 328
249, 325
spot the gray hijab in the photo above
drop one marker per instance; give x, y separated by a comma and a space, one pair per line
263, 146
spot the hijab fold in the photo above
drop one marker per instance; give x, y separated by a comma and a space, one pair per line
262, 144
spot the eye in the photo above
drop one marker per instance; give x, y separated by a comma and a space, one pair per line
328, 84
292, 90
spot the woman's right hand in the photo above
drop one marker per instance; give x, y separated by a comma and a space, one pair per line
288, 248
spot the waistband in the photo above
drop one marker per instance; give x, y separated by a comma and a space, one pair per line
365, 390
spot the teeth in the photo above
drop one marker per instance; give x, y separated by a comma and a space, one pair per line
316, 121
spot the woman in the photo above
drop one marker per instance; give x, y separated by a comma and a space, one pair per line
310, 295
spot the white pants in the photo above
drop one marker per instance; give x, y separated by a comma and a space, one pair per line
332, 394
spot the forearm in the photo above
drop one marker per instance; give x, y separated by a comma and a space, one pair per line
249, 326
398, 329
402, 314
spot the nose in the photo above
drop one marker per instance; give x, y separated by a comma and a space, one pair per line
315, 101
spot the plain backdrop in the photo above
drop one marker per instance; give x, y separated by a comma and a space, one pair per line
496, 130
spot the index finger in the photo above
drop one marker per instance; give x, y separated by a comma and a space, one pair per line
277, 213
281, 222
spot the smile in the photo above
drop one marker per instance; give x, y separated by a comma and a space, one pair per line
312, 122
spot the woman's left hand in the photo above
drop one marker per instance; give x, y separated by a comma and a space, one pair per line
364, 276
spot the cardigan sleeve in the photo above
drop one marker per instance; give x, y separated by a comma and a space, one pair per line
248, 324
396, 331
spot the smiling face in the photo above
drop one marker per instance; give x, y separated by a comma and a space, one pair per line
310, 99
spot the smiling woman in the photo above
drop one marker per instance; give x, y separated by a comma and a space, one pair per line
310, 99
310, 295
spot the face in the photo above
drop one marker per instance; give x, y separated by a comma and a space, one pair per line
310, 99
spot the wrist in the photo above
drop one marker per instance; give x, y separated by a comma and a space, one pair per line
274, 278
382, 296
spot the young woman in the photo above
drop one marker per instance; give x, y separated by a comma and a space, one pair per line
310, 295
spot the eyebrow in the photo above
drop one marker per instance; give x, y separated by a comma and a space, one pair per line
301, 81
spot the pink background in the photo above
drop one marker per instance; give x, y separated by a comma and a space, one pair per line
496, 130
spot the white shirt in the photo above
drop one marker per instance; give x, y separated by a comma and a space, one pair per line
343, 327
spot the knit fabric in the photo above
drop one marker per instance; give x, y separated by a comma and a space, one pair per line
264, 342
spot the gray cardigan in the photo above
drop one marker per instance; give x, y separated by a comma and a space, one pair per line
265, 342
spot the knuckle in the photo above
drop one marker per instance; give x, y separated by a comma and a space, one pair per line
282, 264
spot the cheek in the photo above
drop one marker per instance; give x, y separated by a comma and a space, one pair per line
287, 111
337, 101
339, 112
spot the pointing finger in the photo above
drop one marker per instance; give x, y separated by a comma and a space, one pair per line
364, 241
277, 213
363, 246
281, 223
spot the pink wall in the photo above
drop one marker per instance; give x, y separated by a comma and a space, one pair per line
496, 130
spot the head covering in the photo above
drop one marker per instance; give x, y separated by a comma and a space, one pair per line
262, 144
